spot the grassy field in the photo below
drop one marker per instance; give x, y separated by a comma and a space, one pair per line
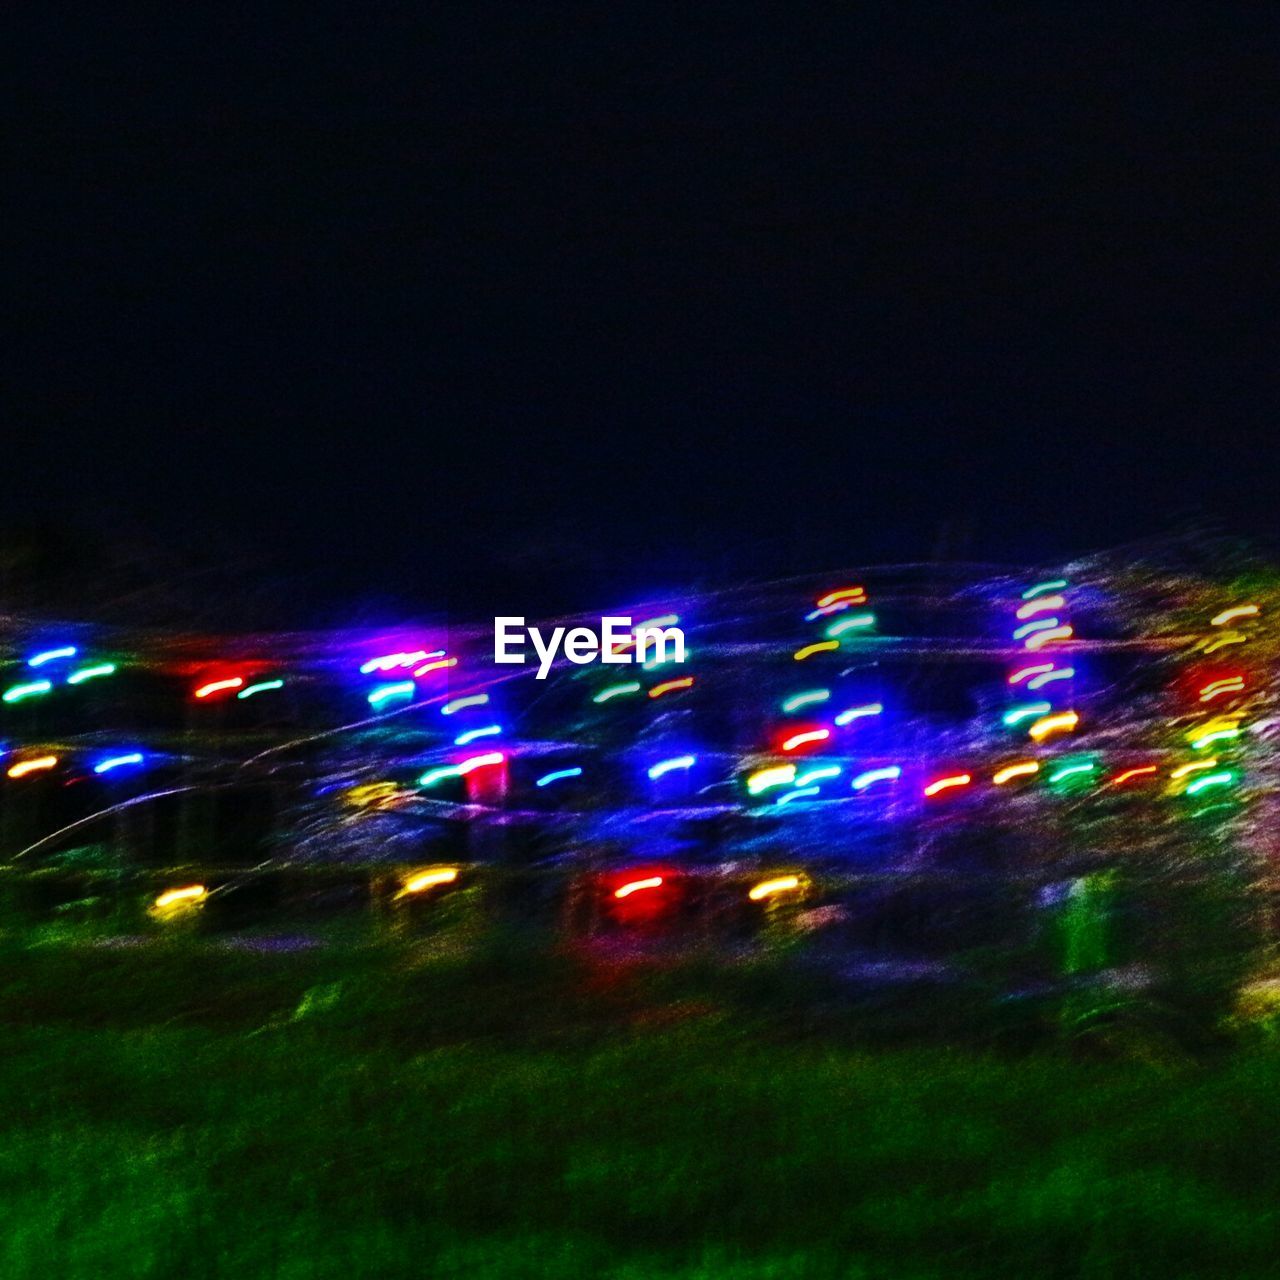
188, 1111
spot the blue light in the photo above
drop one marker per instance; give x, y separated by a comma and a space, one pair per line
556, 775
52, 655
472, 734
667, 766
116, 762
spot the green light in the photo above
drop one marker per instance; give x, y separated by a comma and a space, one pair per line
1028, 711
1210, 780
432, 776
818, 775
1072, 771
1218, 735
260, 688
91, 673
20, 691
616, 691
401, 689
849, 623
1041, 587
799, 700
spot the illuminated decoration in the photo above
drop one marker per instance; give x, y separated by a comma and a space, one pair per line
827, 610
1048, 677
1041, 588
438, 774
1009, 772
389, 661
1228, 684
38, 765
219, 686
92, 673
1046, 604
771, 888
1042, 638
853, 595
424, 880
800, 739
668, 766
440, 664
118, 762
263, 686
778, 775
889, 773
1023, 672
617, 691
1194, 767
947, 784
851, 623
1217, 735
1040, 624
858, 713
801, 793
670, 686
52, 655
184, 897
29, 690
822, 646
1080, 770
1142, 771
557, 774
385, 692
796, 701
1225, 778
488, 731
1221, 642
374, 795
1230, 615
1028, 711
821, 774
461, 704
637, 886
1063, 722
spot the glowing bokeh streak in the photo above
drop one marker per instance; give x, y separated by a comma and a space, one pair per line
1042, 638
1009, 772
557, 774
1062, 673
116, 762
850, 624
440, 665
858, 713
1020, 675
1027, 711
489, 731
799, 739
218, 686
803, 793
1057, 584
767, 888
400, 689
670, 686
52, 655
1062, 722
92, 673
774, 776
1238, 611
25, 767
667, 766
28, 690
1044, 605
889, 773
796, 701
617, 690
1041, 624
461, 704
1210, 780
948, 783
636, 886
852, 594
263, 686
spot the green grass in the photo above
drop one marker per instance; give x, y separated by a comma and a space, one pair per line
167, 1114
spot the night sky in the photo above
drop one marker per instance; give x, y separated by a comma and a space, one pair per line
511, 308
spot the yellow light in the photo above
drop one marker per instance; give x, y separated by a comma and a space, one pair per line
775, 776
1046, 604
1221, 642
25, 767
1183, 769
1015, 771
189, 893
767, 888
1239, 611
823, 646
425, 880
1041, 638
855, 595
1064, 721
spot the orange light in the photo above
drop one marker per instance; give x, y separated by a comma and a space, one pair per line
217, 686
634, 886
945, 784
25, 767
668, 686
1046, 725
1133, 773
1009, 772
1041, 638
855, 595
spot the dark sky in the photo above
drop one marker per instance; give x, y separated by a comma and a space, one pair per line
502, 306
